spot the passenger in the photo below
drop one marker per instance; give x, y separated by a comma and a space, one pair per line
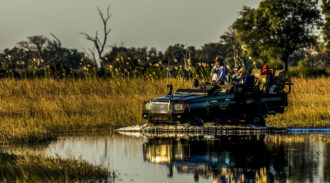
242, 85
236, 76
218, 72
243, 77
267, 71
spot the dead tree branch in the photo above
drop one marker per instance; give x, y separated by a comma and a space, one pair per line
98, 44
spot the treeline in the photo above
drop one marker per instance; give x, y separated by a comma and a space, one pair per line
275, 33
40, 56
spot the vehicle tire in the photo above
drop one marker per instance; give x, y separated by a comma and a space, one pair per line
257, 120
196, 121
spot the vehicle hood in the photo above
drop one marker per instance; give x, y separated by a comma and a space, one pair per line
177, 98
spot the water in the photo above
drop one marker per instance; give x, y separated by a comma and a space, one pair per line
296, 157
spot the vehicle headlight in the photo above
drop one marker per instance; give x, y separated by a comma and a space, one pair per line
180, 107
147, 106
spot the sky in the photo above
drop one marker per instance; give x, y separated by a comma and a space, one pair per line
134, 23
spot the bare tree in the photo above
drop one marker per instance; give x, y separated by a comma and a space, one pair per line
98, 44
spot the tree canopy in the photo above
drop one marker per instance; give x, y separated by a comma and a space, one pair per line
326, 26
277, 28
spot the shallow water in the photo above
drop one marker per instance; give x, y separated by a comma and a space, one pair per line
296, 157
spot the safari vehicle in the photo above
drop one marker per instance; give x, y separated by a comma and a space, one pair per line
221, 103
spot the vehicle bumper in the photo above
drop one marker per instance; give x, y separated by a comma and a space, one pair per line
174, 117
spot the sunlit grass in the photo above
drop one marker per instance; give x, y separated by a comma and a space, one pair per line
28, 168
40, 109
309, 105
37, 110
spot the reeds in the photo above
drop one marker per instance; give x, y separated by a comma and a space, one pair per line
29, 168
309, 105
40, 109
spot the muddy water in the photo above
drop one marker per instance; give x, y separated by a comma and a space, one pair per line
295, 157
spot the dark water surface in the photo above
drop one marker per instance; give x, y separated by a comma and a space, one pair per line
296, 157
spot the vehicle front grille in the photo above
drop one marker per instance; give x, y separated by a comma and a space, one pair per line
160, 107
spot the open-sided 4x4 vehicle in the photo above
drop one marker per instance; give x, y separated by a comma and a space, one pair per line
221, 103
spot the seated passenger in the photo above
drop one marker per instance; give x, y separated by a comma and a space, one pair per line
267, 71
245, 80
218, 72
242, 77
242, 85
235, 78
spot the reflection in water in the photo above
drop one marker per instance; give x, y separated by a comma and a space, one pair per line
232, 158
226, 159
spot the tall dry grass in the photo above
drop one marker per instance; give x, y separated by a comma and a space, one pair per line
28, 168
309, 105
37, 110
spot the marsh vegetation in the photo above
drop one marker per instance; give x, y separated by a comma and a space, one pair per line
41, 109
22, 168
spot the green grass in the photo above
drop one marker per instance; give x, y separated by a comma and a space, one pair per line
41, 109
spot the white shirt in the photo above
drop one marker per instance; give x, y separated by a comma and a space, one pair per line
219, 72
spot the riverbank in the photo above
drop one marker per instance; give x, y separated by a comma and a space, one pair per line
41, 109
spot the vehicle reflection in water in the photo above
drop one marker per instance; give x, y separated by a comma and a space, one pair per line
224, 159
204, 159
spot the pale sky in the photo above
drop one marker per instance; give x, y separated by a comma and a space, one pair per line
138, 23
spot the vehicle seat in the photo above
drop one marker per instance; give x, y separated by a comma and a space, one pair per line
280, 79
265, 83
256, 74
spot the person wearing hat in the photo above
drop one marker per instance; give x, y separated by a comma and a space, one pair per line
235, 78
267, 71
218, 72
242, 76
242, 84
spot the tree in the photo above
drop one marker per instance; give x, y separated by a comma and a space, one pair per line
98, 44
34, 50
326, 26
278, 27
234, 46
175, 54
210, 51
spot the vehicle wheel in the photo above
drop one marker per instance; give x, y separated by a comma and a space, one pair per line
257, 120
196, 121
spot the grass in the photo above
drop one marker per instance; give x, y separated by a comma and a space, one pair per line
28, 168
41, 109
309, 105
